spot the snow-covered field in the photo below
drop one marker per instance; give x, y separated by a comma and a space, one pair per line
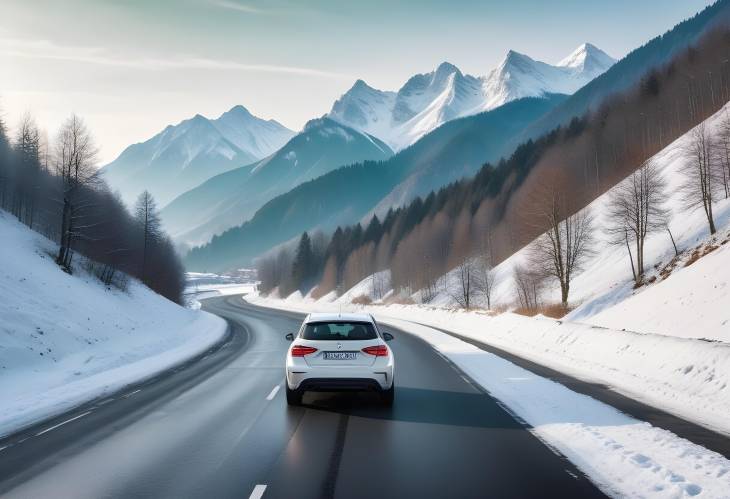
66, 339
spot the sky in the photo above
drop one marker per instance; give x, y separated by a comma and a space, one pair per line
132, 67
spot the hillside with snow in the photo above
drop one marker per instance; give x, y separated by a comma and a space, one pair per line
183, 156
66, 339
428, 100
682, 295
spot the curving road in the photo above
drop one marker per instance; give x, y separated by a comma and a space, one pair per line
219, 427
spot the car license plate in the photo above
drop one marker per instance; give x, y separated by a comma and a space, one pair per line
340, 355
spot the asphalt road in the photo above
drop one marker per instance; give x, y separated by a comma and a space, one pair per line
219, 427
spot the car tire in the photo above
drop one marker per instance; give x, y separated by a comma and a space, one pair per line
387, 396
293, 397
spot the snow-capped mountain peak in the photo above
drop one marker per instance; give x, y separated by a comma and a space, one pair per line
184, 155
589, 58
428, 100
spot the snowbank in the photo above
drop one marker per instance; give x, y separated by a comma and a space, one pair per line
625, 457
66, 339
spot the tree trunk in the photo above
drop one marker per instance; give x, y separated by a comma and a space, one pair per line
631, 258
65, 219
676, 251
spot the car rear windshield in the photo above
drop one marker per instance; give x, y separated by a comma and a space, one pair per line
339, 331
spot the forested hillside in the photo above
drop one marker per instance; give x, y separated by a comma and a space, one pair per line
508, 204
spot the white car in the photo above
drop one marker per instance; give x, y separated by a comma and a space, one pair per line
339, 352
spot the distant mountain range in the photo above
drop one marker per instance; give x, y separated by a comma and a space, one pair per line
453, 150
233, 197
426, 101
345, 195
184, 155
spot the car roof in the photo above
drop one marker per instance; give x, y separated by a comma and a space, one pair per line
325, 317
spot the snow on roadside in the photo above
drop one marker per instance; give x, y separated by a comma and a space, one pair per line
66, 339
625, 457
622, 455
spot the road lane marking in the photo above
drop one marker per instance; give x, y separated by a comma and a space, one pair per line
258, 492
131, 393
273, 393
5, 447
62, 423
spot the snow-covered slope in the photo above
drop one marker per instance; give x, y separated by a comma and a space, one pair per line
428, 100
184, 155
680, 298
66, 339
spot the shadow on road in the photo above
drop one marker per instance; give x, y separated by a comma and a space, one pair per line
418, 405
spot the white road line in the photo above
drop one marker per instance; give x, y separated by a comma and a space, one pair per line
62, 423
258, 491
273, 393
132, 393
5, 447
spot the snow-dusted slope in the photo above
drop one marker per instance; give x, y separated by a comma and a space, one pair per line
66, 339
679, 300
428, 100
183, 156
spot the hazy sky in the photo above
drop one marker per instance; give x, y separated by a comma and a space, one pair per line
131, 67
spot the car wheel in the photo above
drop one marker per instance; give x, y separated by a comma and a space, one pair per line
293, 397
388, 395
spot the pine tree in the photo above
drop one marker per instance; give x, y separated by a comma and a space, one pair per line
148, 219
303, 267
374, 230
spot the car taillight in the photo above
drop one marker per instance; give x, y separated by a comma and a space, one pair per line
377, 350
301, 350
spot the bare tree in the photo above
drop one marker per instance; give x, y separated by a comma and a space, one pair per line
485, 279
485, 268
563, 248
75, 159
528, 285
700, 172
27, 147
465, 272
148, 220
636, 209
381, 284
723, 152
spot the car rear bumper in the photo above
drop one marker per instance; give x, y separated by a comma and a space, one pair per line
339, 379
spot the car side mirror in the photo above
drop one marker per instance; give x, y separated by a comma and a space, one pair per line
388, 336
289, 337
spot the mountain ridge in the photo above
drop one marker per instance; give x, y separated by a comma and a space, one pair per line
428, 100
186, 154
